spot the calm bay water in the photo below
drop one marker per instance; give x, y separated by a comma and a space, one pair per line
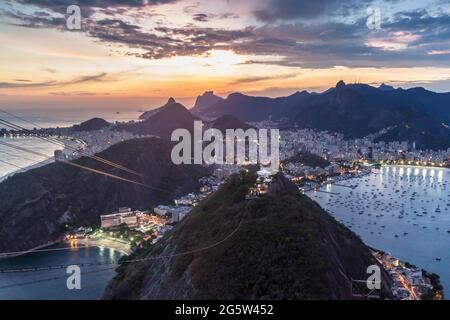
16, 159
402, 210
51, 285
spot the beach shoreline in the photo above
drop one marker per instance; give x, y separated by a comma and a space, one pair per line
123, 248
38, 164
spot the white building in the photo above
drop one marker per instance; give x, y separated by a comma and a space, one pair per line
125, 215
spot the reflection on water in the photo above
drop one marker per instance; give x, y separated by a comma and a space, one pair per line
15, 158
51, 284
402, 210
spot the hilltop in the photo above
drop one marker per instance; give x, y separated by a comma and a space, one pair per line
150, 113
280, 246
164, 120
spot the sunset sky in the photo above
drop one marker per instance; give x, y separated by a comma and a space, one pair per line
135, 54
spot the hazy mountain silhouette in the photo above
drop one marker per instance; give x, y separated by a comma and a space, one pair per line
150, 113
353, 109
163, 121
385, 87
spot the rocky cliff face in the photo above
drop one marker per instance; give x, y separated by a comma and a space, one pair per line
204, 102
280, 246
36, 205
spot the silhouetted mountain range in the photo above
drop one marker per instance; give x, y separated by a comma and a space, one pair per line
248, 108
385, 87
163, 120
355, 110
150, 113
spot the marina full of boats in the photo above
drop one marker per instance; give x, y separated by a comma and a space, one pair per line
403, 210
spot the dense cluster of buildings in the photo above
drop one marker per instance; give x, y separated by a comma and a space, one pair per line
408, 282
99, 140
333, 146
123, 216
297, 168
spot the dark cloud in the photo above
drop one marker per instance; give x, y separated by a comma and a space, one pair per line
52, 83
87, 5
261, 78
204, 17
228, 15
348, 44
304, 9
11, 85
201, 17
37, 19
319, 44
191, 8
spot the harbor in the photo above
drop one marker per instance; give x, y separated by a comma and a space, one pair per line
403, 210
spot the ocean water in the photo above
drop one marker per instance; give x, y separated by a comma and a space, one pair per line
11, 160
45, 119
64, 118
52, 285
400, 209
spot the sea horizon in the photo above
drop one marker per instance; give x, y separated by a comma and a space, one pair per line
65, 118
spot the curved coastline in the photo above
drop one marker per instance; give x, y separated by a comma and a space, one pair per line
432, 261
38, 164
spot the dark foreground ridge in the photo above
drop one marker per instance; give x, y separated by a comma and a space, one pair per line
280, 246
38, 204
